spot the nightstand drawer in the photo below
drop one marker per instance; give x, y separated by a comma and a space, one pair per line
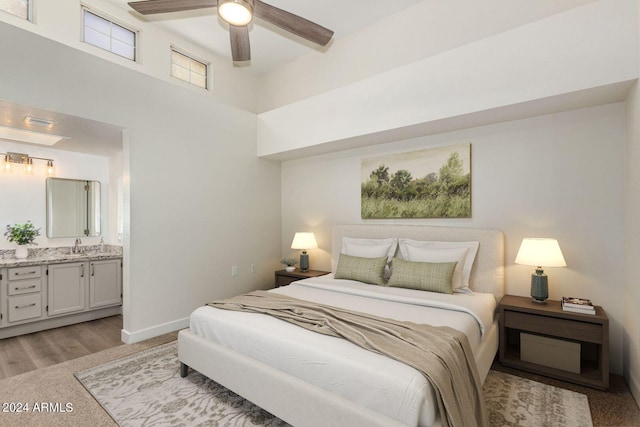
562, 328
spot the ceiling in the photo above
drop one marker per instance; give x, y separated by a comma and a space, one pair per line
271, 46
83, 135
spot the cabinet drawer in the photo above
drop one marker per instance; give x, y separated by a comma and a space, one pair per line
25, 307
19, 287
18, 273
553, 326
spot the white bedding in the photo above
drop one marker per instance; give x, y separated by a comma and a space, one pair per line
372, 380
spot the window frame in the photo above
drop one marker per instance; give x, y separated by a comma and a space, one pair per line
112, 21
30, 14
173, 48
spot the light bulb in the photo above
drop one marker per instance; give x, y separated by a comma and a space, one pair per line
28, 167
50, 168
236, 12
7, 164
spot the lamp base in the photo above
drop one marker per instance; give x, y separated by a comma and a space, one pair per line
304, 261
539, 287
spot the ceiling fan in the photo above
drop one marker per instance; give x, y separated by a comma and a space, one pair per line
238, 14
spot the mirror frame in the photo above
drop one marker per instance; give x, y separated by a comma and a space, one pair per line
87, 207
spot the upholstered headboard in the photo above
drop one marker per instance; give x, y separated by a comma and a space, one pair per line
487, 274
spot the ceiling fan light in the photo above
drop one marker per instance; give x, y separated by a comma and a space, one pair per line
236, 12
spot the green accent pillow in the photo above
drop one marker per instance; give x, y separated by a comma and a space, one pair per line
367, 270
424, 276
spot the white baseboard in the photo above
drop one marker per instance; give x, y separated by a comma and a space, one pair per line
634, 386
154, 331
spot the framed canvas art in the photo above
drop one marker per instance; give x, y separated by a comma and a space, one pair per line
431, 183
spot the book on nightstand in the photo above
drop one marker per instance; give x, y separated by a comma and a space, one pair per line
578, 305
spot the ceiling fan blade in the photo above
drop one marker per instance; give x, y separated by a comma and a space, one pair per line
240, 48
293, 23
150, 7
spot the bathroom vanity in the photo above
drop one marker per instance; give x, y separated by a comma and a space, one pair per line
52, 289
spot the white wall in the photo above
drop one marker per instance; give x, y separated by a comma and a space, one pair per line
557, 56
428, 28
61, 20
632, 249
24, 196
558, 175
200, 201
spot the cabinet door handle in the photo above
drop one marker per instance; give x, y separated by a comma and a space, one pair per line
82, 270
19, 288
26, 273
93, 269
33, 304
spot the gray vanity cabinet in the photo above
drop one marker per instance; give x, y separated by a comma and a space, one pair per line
67, 285
105, 283
49, 295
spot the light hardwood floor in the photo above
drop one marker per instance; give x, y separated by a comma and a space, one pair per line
41, 349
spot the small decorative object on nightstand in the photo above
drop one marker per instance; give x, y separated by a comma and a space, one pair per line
290, 264
283, 277
304, 241
538, 253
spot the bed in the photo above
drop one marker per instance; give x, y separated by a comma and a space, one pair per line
309, 379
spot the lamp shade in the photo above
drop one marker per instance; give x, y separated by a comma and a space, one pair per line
304, 240
540, 252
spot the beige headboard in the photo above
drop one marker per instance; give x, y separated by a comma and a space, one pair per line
487, 274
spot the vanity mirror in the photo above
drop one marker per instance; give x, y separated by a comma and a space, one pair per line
73, 207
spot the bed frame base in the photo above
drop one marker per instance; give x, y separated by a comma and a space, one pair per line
289, 398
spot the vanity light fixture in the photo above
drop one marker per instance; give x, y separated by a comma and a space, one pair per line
11, 159
304, 241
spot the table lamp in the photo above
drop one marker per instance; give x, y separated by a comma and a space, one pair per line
304, 241
540, 252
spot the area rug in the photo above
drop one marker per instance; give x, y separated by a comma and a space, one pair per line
146, 389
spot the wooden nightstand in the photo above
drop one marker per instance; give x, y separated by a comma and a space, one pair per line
283, 277
591, 332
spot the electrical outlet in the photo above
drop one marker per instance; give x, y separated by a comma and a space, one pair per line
234, 270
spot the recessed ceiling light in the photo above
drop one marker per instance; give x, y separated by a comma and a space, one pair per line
30, 120
22, 135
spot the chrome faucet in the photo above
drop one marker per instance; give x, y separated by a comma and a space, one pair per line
76, 248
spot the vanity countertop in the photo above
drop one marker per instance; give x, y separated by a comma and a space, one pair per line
60, 255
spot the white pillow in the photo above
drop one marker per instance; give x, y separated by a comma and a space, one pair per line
462, 252
371, 248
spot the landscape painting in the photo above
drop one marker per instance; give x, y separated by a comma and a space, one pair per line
432, 183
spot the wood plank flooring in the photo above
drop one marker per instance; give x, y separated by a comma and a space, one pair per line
41, 349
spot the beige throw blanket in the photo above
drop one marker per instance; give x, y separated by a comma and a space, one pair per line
442, 354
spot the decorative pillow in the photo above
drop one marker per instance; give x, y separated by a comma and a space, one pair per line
424, 276
370, 248
367, 270
464, 253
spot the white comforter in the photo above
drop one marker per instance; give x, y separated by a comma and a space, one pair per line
372, 380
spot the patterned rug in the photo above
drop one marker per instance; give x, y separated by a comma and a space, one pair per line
146, 389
